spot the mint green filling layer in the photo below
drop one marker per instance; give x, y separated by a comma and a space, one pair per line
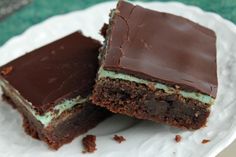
48, 116
170, 90
57, 110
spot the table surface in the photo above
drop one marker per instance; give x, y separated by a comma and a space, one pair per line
39, 10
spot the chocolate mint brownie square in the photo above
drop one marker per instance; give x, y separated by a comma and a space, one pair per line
50, 87
157, 66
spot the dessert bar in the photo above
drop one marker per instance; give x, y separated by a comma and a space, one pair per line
50, 87
157, 66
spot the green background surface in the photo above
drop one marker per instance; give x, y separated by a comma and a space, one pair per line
39, 10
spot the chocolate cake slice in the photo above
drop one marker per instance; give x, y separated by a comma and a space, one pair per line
50, 87
157, 66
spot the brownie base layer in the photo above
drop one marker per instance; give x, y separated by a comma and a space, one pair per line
66, 127
145, 102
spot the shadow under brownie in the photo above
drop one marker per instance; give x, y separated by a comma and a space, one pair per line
157, 66
50, 87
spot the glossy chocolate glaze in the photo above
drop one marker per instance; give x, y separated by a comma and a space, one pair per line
60, 70
162, 47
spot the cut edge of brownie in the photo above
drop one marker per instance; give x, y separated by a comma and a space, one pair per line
70, 124
144, 102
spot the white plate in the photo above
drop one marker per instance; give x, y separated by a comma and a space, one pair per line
144, 139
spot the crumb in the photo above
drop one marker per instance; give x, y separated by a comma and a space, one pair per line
204, 141
178, 138
119, 139
89, 143
103, 31
6, 70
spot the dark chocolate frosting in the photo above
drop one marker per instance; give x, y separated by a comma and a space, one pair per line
162, 47
60, 70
